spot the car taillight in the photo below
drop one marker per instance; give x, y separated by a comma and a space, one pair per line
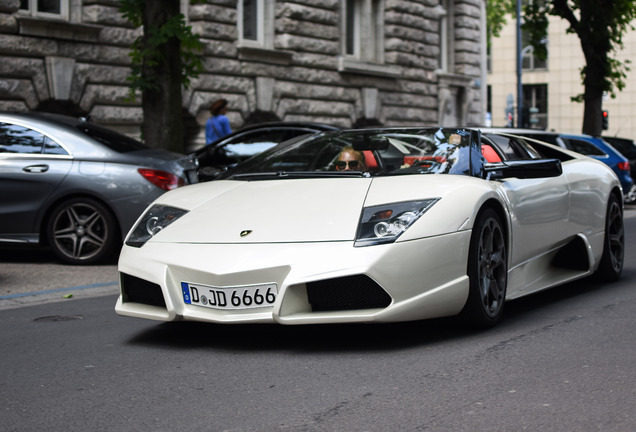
162, 179
623, 166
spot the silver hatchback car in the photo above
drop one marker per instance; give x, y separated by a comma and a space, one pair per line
76, 186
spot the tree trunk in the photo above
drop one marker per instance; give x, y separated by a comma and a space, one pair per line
162, 107
593, 100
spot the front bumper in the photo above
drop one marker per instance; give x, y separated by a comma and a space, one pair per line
422, 279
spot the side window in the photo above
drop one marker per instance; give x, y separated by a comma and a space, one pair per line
18, 139
510, 148
53, 148
583, 147
251, 144
46, 8
364, 30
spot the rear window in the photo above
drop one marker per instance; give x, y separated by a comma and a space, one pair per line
113, 140
584, 147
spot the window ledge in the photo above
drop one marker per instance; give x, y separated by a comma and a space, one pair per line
265, 55
58, 29
454, 79
364, 68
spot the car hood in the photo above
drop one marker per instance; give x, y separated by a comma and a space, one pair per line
271, 211
312, 210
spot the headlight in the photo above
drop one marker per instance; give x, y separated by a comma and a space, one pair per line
385, 223
152, 222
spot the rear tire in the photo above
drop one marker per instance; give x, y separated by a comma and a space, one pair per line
611, 265
82, 231
487, 271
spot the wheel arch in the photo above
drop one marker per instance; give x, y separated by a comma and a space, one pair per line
500, 210
618, 192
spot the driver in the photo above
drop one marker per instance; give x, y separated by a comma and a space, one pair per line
350, 160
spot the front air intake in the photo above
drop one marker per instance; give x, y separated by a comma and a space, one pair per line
346, 293
136, 290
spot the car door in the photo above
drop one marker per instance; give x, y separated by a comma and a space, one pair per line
539, 207
32, 166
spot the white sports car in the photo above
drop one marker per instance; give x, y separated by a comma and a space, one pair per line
375, 226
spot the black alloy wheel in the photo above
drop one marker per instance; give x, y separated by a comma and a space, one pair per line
82, 231
487, 271
611, 265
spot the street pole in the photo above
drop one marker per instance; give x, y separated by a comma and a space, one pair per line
519, 66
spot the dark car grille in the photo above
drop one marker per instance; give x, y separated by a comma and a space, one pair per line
347, 293
136, 290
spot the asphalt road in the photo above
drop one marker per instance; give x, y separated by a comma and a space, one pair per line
560, 360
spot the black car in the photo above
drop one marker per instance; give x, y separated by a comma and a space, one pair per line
247, 142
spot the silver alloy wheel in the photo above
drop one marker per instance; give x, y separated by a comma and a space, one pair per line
80, 231
491, 267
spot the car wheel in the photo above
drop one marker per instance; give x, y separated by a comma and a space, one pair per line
82, 231
611, 265
487, 271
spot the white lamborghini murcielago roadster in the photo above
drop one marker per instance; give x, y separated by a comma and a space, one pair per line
375, 225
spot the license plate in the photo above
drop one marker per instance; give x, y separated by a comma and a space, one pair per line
229, 298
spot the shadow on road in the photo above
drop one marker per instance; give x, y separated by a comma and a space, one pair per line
352, 337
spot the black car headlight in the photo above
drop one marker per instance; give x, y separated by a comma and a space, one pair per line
385, 223
152, 222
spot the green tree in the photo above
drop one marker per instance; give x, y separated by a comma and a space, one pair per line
165, 58
600, 26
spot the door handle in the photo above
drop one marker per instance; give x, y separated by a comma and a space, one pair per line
36, 168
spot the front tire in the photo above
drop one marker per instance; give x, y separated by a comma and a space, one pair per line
487, 271
611, 265
82, 231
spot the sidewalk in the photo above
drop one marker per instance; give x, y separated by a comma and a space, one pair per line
31, 275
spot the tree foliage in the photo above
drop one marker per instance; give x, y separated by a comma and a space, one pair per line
600, 26
164, 60
148, 49
496, 13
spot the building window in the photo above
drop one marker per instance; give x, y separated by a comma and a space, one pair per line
529, 60
256, 23
251, 28
446, 37
535, 103
364, 29
46, 8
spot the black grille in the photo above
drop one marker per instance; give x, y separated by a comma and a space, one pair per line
347, 293
136, 290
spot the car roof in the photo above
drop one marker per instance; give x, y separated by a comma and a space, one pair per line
298, 124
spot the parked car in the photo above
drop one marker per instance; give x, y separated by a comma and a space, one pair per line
587, 145
627, 148
78, 187
246, 142
375, 225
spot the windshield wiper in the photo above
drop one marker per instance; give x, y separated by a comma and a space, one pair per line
297, 174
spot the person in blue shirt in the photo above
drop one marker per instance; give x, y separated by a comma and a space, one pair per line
218, 124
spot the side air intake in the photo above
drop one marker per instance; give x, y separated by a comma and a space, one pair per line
347, 293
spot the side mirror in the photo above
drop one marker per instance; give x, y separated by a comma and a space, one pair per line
524, 169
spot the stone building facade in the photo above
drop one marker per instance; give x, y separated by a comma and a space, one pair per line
340, 62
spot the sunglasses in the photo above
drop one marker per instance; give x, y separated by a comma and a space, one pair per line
354, 164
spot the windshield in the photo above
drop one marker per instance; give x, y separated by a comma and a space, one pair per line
370, 152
